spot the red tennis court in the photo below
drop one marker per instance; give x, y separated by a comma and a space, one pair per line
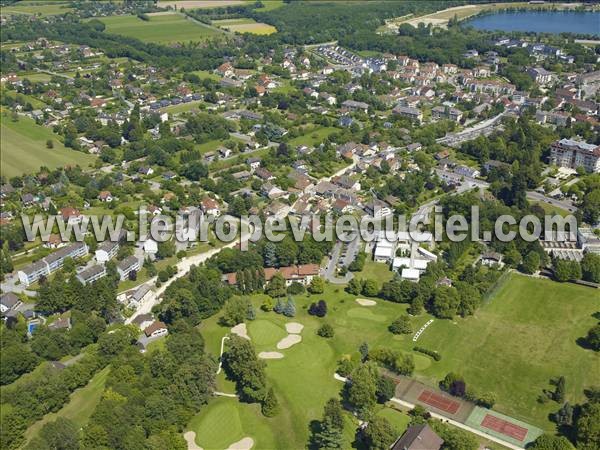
504, 427
439, 402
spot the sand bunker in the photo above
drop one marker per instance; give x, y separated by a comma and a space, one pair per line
288, 341
241, 330
365, 302
294, 327
244, 444
190, 438
270, 355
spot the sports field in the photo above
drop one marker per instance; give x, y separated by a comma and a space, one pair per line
245, 25
24, 149
162, 29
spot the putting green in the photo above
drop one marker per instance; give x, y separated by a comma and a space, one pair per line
265, 333
367, 314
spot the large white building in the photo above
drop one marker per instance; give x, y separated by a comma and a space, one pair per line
574, 154
50, 263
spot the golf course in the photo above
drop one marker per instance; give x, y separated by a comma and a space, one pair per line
528, 327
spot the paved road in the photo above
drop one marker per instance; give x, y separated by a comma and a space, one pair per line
329, 271
563, 204
183, 267
483, 128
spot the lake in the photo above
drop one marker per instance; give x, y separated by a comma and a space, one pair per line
584, 22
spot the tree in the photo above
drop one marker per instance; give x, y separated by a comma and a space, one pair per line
592, 340
245, 368
590, 267
549, 442
445, 302
588, 426
50, 143
565, 270
318, 309
329, 434
61, 434
363, 389
270, 405
370, 288
276, 287
379, 434
385, 389
364, 351
531, 262
289, 310
354, 287
235, 311
454, 384
316, 286
326, 331
564, 416
401, 325
278, 308
559, 391
165, 249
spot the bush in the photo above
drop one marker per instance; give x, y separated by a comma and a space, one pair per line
326, 331
401, 326
435, 355
296, 288
318, 309
345, 367
359, 262
267, 305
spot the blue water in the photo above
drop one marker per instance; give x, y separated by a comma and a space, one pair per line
584, 22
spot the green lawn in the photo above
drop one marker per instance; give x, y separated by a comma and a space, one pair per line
24, 149
376, 271
525, 335
164, 29
312, 136
81, 406
269, 5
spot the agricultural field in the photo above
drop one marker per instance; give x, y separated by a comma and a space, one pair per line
24, 149
162, 29
196, 4
245, 25
41, 8
528, 329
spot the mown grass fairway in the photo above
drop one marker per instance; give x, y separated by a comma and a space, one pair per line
81, 406
24, 149
163, 29
525, 335
245, 26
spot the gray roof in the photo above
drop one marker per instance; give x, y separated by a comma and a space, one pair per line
140, 292
418, 437
128, 263
9, 300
